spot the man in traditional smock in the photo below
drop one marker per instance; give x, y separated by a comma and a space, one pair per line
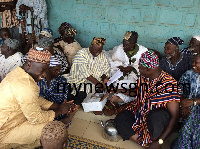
151, 118
90, 65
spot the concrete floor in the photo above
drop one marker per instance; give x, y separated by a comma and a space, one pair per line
87, 125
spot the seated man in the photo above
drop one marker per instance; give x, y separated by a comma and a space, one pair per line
194, 46
150, 119
46, 32
5, 33
9, 20
190, 108
126, 58
23, 113
54, 135
54, 87
9, 57
68, 45
175, 63
91, 66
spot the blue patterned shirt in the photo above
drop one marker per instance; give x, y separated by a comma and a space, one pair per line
56, 92
190, 84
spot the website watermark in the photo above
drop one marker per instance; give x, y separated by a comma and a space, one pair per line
122, 88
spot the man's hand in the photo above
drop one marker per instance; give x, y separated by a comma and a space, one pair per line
23, 8
122, 69
114, 100
184, 112
185, 107
186, 103
69, 117
67, 107
155, 145
128, 69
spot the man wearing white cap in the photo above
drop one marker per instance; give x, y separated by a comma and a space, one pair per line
194, 46
9, 57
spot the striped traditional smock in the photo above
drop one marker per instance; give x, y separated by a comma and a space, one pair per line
84, 64
151, 95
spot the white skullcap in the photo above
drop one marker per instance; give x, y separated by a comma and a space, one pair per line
197, 37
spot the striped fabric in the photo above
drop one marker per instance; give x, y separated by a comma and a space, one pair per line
8, 18
154, 94
84, 65
189, 134
54, 61
57, 90
10, 63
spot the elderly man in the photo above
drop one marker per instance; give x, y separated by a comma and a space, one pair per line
194, 46
9, 57
23, 113
175, 63
5, 33
150, 119
126, 58
91, 66
54, 87
67, 42
9, 20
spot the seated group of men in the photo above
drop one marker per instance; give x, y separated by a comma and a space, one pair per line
148, 118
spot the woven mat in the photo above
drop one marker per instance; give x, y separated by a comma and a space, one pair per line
76, 142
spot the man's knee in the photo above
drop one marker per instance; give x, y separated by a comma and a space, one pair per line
124, 122
157, 120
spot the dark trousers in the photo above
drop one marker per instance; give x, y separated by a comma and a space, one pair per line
157, 120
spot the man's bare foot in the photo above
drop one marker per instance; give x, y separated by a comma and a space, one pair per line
115, 100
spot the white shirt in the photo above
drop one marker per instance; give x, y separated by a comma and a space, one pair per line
10, 63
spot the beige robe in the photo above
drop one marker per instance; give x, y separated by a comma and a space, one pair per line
70, 50
23, 113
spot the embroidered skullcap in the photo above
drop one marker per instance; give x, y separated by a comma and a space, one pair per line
128, 35
99, 41
197, 37
39, 55
12, 43
66, 25
175, 41
54, 133
54, 61
149, 59
70, 31
47, 32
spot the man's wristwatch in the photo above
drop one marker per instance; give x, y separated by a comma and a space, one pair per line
160, 141
195, 103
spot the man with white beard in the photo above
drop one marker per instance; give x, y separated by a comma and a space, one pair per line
174, 62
